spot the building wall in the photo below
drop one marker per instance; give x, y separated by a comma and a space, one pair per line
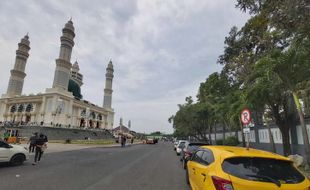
54, 133
52, 109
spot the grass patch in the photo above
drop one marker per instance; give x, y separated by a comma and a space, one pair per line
85, 142
93, 142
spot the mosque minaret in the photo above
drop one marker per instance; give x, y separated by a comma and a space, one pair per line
107, 100
63, 64
18, 74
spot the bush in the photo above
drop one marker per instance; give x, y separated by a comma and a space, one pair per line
231, 141
219, 142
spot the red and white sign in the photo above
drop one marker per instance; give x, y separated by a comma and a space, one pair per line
246, 116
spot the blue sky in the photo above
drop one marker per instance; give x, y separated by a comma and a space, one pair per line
161, 49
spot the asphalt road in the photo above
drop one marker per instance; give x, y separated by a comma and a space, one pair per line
145, 167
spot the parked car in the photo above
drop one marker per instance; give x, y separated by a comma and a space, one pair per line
188, 150
228, 168
150, 141
180, 147
14, 154
175, 144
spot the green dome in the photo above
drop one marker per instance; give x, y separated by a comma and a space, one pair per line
75, 89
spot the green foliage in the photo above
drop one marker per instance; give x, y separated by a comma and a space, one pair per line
156, 133
231, 141
219, 142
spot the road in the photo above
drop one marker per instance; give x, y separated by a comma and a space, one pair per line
145, 167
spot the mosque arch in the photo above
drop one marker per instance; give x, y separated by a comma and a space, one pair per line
29, 108
83, 113
13, 109
21, 108
92, 115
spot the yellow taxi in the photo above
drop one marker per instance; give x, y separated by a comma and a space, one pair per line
236, 168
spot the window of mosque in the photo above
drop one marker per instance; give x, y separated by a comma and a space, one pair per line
13, 109
21, 108
83, 113
29, 108
93, 115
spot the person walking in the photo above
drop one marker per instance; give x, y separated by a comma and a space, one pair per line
32, 142
40, 144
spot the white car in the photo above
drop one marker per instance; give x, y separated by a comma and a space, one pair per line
14, 154
180, 146
175, 144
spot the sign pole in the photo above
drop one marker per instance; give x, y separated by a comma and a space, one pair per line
247, 138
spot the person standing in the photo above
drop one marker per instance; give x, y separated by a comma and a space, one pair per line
32, 142
40, 143
122, 140
6, 136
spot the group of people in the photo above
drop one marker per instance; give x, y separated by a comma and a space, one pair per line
38, 144
123, 140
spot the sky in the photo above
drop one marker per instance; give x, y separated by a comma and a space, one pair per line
161, 50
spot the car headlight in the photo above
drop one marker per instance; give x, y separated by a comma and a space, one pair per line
26, 148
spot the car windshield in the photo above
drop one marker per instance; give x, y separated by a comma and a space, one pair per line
181, 145
262, 169
192, 148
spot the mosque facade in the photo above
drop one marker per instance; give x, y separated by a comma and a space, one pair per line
63, 103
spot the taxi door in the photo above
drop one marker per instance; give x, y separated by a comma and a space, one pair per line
203, 169
193, 166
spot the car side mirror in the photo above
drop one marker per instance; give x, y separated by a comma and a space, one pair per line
191, 157
9, 146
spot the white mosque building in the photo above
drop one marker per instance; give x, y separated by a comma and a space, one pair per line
62, 104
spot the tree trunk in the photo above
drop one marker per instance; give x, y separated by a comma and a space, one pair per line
304, 130
286, 140
215, 133
224, 130
283, 124
210, 131
273, 146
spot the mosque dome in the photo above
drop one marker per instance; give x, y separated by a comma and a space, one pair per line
75, 89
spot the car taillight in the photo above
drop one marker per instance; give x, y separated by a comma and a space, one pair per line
188, 154
222, 184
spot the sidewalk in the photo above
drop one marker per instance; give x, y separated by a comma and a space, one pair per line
59, 147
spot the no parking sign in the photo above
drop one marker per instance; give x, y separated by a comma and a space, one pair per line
245, 116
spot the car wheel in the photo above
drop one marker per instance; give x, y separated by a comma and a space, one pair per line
187, 177
17, 160
184, 164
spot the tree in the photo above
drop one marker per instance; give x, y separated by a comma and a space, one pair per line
191, 120
292, 67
